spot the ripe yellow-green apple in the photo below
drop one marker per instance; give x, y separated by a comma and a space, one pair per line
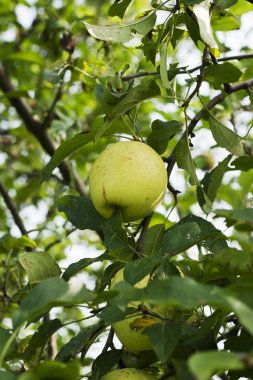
128, 175
135, 341
128, 374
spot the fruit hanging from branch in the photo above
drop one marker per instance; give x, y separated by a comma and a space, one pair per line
129, 176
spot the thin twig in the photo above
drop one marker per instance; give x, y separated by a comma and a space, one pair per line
12, 208
199, 78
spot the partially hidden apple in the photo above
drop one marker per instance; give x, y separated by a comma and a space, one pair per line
130, 176
128, 374
135, 341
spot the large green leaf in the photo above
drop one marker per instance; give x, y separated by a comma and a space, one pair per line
48, 294
205, 364
164, 338
64, 150
225, 137
243, 163
195, 230
136, 270
244, 215
80, 212
122, 32
153, 239
39, 266
222, 73
104, 362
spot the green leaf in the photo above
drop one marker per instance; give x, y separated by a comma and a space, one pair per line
138, 269
164, 338
76, 267
153, 239
195, 230
26, 56
118, 8
205, 364
184, 160
163, 63
104, 362
115, 236
7, 375
123, 32
144, 91
80, 343
39, 266
4, 337
80, 212
211, 183
225, 137
243, 163
222, 73
162, 133
40, 337
48, 294
64, 150
232, 258
223, 4
224, 20
244, 215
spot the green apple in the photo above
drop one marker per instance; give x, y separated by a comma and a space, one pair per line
128, 374
128, 175
135, 341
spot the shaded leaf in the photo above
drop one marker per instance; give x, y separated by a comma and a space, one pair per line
244, 215
80, 343
162, 132
243, 163
138, 269
118, 8
205, 364
104, 362
80, 212
225, 137
222, 73
195, 230
164, 338
153, 239
115, 236
48, 294
64, 150
39, 265
76, 267
40, 337
211, 182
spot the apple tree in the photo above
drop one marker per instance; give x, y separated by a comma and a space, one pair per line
112, 267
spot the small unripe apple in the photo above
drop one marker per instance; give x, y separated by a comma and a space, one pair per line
135, 341
128, 374
130, 176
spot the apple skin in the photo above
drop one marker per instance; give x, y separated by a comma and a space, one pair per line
129, 175
128, 374
135, 341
